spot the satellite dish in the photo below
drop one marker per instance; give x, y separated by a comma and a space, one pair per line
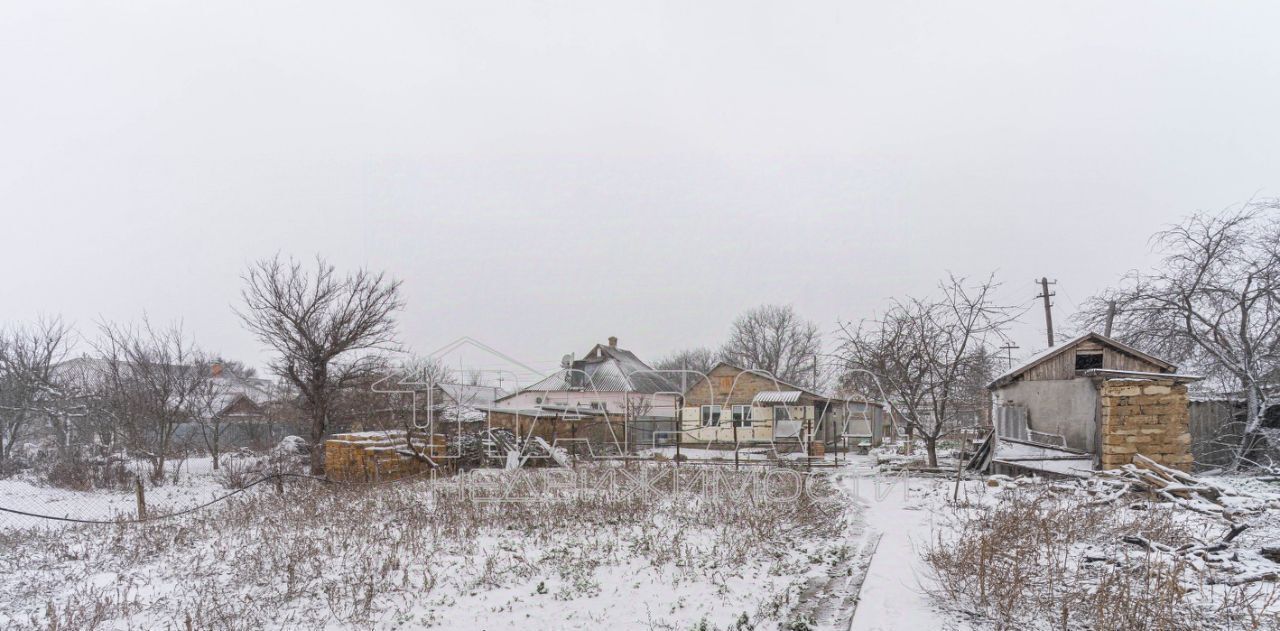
566, 361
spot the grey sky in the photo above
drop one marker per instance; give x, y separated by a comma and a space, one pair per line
543, 175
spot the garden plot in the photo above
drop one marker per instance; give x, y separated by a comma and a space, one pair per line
422, 553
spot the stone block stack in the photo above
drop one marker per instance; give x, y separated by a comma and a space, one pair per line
380, 455
1148, 417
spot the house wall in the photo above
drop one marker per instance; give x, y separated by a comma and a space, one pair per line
761, 429
1148, 417
1067, 407
603, 437
614, 402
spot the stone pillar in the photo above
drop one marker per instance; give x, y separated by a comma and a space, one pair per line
1148, 417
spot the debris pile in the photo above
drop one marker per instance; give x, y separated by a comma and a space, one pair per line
1222, 561
1178, 487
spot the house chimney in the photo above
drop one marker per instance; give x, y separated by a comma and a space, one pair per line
216, 369
613, 342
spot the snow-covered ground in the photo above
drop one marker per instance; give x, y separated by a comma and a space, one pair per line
899, 513
196, 485
420, 553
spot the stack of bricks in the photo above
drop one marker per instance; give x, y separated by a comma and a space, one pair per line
1148, 417
379, 456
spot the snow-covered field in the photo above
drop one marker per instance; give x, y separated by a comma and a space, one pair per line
425, 553
632, 547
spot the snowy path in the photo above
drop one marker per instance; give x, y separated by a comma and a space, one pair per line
891, 596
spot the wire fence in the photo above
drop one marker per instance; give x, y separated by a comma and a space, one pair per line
28, 502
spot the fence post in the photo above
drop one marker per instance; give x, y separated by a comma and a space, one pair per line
142, 499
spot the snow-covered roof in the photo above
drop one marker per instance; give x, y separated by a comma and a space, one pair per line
1138, 375
606, 369
463, 394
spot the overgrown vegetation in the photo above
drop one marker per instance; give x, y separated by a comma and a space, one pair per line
1042, 558
406, 554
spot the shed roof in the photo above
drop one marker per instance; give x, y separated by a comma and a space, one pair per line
1054, 351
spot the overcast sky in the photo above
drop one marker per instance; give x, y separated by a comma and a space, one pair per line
542, 175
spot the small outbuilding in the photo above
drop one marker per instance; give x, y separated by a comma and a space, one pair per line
1094, 395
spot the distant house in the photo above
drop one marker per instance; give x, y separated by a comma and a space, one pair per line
736, 405
607, 379
1097, 398
609, 398
229, 397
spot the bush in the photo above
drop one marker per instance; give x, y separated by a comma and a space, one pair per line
78, 471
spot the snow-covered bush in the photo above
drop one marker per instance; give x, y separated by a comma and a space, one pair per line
81, 470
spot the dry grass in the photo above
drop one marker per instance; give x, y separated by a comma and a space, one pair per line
391, 554
1040, 558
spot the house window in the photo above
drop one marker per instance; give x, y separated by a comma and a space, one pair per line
742, 416
781, 413
538, 401
1087, 361
726, 384
710, 415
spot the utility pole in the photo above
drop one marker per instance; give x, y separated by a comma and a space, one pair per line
1048, 306
1008, 350
1111, 316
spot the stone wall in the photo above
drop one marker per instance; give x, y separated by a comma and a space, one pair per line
1148, 417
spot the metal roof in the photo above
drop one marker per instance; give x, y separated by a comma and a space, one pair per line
777, 396
607, 369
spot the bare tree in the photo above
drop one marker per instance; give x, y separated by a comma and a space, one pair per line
30, 388
325, 330
774, 338
1213, 304
225, 405
931, 355
150, 381
701, 359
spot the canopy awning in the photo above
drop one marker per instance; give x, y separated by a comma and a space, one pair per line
777, 396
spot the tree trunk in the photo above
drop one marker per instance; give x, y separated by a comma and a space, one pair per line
317, 442
213, 451
1254, 412
931, 446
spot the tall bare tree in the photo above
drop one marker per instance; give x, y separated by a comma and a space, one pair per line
30, 388
776, 339
325, 329
931, 355
1213, 305
150, 381
701, 359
